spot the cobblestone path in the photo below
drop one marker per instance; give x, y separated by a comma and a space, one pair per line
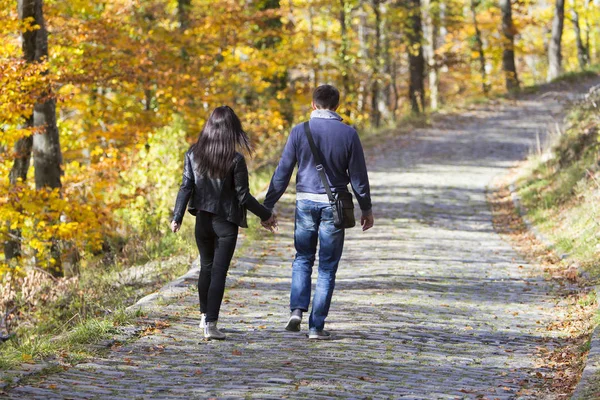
430, 304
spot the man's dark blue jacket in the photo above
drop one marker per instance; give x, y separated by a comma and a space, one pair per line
341, 153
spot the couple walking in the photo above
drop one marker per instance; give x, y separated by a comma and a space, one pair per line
215, 190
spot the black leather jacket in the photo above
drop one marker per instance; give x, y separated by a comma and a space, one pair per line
228, 197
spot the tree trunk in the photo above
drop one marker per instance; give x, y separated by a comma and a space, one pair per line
345, 46
376, 59
479, 48
385, 101
45, 147
362, 55
588, 30
47, 157
278, 81
508, 52
315, 56
394, 84
416, 61
430, 34
581, 50
554, 47
12, 246
183, 14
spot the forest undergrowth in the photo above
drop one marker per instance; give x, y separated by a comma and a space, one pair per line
559, 187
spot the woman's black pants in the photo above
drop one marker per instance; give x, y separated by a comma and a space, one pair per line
216, 239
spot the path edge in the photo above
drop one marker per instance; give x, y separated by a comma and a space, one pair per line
588, 387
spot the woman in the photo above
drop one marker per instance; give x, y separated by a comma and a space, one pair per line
215, 183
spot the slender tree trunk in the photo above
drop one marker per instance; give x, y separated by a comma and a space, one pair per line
376, 62
581, 50
385, 100
315, 56
588, 30
394, 79
554, 47
12, 246
183, 15
416, 89
22, 159
430, 34
45, 147
345, 46
508, 52
279, 80
362, 54
479, 48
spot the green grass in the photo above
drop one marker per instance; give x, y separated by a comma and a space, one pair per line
561, 192
70, 345
574, 76
568, 77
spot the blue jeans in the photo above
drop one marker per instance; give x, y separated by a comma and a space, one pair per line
314, 222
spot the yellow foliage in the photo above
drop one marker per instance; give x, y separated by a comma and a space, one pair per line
134, 88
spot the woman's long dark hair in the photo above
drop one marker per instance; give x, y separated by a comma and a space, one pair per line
221, 136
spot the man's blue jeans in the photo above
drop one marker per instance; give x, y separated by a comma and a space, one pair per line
314, 222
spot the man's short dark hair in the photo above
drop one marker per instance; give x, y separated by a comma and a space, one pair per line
326, 96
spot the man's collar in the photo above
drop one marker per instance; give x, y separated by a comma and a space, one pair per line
325, 114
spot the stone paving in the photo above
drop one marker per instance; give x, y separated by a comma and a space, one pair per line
429, 304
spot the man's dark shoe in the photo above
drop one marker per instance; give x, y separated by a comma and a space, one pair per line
314, 334
293, 324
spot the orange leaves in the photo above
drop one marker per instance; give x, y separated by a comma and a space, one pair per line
156, 328
21, 85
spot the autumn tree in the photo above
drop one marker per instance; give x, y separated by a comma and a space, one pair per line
478, 46
554, 47
376, 64
582, 49
130, 85
416, 60
270, 29
430, 39
508, 47
44, 144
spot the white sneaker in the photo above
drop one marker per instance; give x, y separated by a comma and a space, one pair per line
202, 321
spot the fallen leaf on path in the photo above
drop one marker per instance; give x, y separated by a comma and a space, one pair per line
161, 324
366, 378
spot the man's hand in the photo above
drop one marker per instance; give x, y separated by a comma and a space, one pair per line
271, 223
175, 226
367, 220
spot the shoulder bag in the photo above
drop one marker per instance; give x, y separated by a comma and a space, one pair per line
341, 202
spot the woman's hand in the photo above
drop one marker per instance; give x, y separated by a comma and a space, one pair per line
271, 223
175, 226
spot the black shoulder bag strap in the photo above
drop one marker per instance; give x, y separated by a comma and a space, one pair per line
315, 153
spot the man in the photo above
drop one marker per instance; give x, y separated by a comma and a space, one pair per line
344, 162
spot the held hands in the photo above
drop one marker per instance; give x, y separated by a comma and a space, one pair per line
175, 226
270, 224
